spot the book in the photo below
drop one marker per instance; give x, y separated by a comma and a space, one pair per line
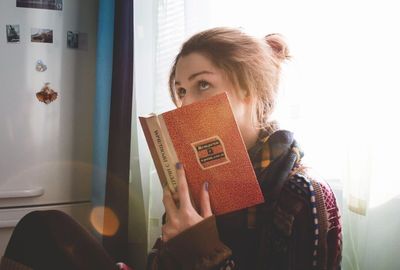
206, 139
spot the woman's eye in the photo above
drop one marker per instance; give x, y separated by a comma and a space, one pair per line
181, 92
203, 85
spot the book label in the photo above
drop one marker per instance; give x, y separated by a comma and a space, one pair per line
210, 152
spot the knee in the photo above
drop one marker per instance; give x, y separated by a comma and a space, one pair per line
31, 230
41, 219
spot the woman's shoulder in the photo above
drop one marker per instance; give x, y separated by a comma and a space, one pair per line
304, 175
306, 187
312, 189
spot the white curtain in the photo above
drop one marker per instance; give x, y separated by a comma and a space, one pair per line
338, 94
161, 27
159, 32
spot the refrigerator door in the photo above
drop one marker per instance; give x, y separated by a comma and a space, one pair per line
46, 149
51, 184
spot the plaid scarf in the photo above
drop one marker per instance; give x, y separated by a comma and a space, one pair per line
273, 158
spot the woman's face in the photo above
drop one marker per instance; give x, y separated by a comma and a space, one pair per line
196, 78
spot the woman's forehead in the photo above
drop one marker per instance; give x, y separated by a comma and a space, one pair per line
191, 64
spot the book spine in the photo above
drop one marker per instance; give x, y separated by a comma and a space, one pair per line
171, 151
160, 151
170, 158
168, 141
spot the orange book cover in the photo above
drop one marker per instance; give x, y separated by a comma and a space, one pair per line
205, 138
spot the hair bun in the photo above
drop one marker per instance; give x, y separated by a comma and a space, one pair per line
278, 45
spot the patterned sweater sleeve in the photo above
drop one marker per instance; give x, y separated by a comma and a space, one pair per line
198, 247
334, 229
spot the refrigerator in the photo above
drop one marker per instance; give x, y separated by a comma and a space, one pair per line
47, 92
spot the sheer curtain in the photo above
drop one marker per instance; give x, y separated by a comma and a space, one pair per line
159, 32
338, 94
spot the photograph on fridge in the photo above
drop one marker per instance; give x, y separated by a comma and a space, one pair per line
41, 35
13, 33
72, 40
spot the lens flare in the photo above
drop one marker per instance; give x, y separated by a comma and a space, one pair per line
104, 221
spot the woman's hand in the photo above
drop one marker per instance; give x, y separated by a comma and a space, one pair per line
181, 218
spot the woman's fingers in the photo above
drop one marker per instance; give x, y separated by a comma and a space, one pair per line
183, 190
182, 216
169, 204
205, 206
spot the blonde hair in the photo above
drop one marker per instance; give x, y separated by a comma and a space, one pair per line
252, 65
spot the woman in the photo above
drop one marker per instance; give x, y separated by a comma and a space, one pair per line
298, 226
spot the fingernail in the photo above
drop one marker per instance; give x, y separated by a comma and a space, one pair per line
178, 165
206, 186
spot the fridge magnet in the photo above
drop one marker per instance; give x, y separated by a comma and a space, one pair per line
72, 40
46, 94
40, 66
77, 40
41, 35
42, 4
12, 31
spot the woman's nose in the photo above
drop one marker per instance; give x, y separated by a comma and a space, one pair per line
188, 99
